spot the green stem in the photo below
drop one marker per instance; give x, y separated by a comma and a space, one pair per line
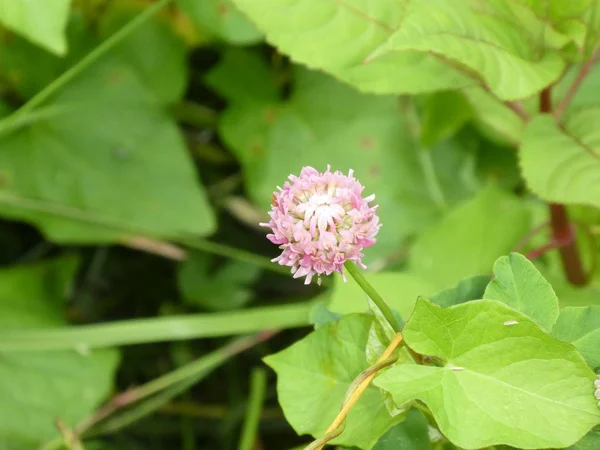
372, 293
83, 64
258, 387
86, 217
160, 329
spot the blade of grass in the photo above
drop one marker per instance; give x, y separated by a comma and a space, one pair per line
160, 329
145, 399
258, 387
132, 232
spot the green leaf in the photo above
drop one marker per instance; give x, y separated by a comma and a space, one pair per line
563, 164
580, 326
399, 289
38, 387
488, 40
469, 239
325, 122
504, 381
471, 288
337, 38
519, 284
590, 441
444, 113
154, 51
42, 23
558, 9
314, 374
106, 166
216, 288
411, 434
257, 85
222, 19
493, 118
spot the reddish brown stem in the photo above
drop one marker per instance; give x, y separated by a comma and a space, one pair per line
563, 233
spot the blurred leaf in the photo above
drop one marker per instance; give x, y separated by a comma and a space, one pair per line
314, 374
499, 165
28, 68
561, 164
489, 367
326, 122
153, 50
518, 283
399, 289
217, 289
444, 113
581, 327
105, 166
590, 441
411, 434
493, 118
320, 314
558, 9
43, 23
242, 77
469, 239
468, 289
222, 18
38, 387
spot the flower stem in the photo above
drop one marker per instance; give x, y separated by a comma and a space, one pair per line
372, 293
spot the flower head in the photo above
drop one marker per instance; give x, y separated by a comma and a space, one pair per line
320, 221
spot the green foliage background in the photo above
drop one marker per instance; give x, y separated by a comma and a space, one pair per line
140, 142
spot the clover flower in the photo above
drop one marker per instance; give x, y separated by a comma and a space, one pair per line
597, 391
320, 221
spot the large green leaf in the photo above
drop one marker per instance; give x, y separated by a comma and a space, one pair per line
339, 36
562, 164
154, 51
412, 47
399, 289
36, 388
581, 327
503, 380
96, 167
519, 284
314, 374
469, 239
482, 37
43, 23
222, 19
326, 122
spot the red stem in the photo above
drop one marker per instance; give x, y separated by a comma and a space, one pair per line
563, 233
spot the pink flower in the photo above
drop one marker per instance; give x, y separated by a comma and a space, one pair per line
320, 221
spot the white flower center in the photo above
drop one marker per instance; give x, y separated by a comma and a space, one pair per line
320, 211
